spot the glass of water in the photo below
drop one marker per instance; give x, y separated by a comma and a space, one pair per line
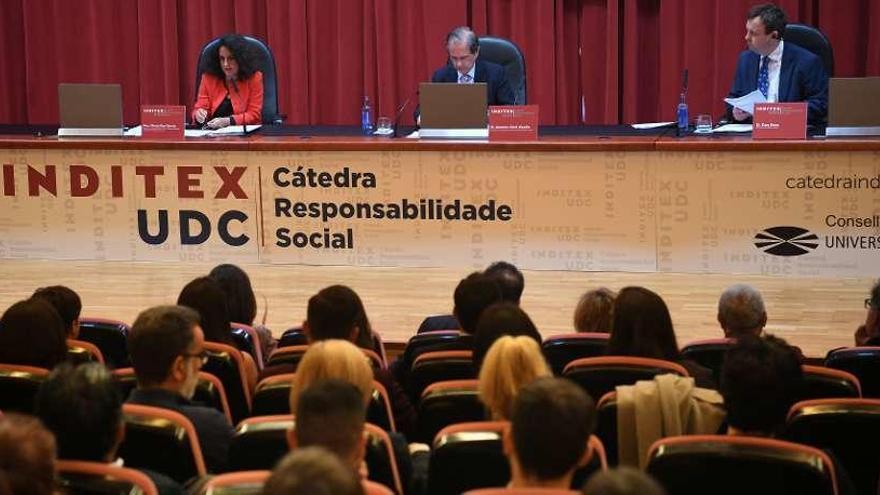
704, 124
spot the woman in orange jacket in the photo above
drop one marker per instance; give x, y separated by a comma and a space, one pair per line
231, 89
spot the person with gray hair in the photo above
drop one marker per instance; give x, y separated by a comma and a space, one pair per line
312, 471
741, 311
465, 67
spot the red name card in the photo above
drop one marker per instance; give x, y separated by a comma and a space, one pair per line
513, 123
780, 121
163, 121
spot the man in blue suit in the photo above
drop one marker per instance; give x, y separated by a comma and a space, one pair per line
465, 67
782, 70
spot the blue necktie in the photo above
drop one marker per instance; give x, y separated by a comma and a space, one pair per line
764, 76
465, 79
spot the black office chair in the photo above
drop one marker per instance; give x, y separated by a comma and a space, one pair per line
506, 54
266, 65
810, 38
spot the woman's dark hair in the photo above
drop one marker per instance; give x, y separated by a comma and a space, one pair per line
246, 57
205, 296
240, 300
875, 294
332, 313
32, 334
499, 319
642, 326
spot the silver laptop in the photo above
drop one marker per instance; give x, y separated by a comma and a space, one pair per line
90, 110
451, 110
853, 106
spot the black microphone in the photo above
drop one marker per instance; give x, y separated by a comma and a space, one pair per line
400, 111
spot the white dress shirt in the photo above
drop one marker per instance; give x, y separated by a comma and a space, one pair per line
774, 67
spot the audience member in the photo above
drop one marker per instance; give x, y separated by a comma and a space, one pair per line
166, 345
32, 334
241, 303
27, 456
642, 327
622, 481
741, 311
594, 311
869, 332
66, 302
331, 414
499, 319
82, 407
509, 279
231, 89
512, 362
547, 440
312, 471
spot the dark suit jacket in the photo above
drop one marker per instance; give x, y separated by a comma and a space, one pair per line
801, 78
214, 431
498, 88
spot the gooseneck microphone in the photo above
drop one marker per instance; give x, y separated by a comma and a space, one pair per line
400, 111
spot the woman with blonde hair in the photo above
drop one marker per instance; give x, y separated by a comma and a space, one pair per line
510, 364
334, 358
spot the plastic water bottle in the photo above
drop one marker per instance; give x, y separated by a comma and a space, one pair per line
367, 117
682, 116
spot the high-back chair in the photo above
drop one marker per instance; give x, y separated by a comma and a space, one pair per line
726, 464
559, 350
708, 353
447, 403
813, 40
432, 367
253, 338
606, 425
600, 375
259, 442
226, 363
266, 65
18, 387
90, 478
826, 383
380, 459
81, 351
863, 362
850, 428
110, 336
506, 54
162, 440
236, 483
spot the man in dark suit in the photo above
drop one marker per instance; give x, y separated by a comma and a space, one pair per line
465, 67
783, 71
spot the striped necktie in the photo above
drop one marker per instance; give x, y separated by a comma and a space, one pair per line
764, 76
465, 79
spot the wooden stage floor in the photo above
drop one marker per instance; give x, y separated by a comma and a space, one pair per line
816, 314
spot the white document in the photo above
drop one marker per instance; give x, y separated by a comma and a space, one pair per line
652, 125
733, 128
747, 103
233, 130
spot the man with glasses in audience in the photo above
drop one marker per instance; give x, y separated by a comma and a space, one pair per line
167, 349
869, 332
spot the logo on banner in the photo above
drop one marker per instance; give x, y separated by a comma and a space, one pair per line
786, 241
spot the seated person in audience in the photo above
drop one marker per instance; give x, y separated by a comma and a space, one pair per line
622, 481
241, 303
231, 89
594, 311
167, 349
32, 334
546, 442
312, 471
205, 296
781, 70
66, 302
741, 311
465, 67
643, 328
27, 456
331, 414
869, 332
341, 360
499, 319
510, 281
512, 363
82, 407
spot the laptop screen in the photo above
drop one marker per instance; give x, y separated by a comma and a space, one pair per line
453, 106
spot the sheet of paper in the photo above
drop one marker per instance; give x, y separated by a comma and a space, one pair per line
747, 103
733, 128
233, 130
652, 125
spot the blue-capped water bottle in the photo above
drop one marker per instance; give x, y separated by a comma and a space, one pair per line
367, 117
682, 116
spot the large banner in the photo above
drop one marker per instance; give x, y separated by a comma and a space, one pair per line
793, 213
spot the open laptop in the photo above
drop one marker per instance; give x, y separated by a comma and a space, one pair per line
853, 106
455, 111
90, 109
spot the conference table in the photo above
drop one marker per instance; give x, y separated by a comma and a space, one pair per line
589, 198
